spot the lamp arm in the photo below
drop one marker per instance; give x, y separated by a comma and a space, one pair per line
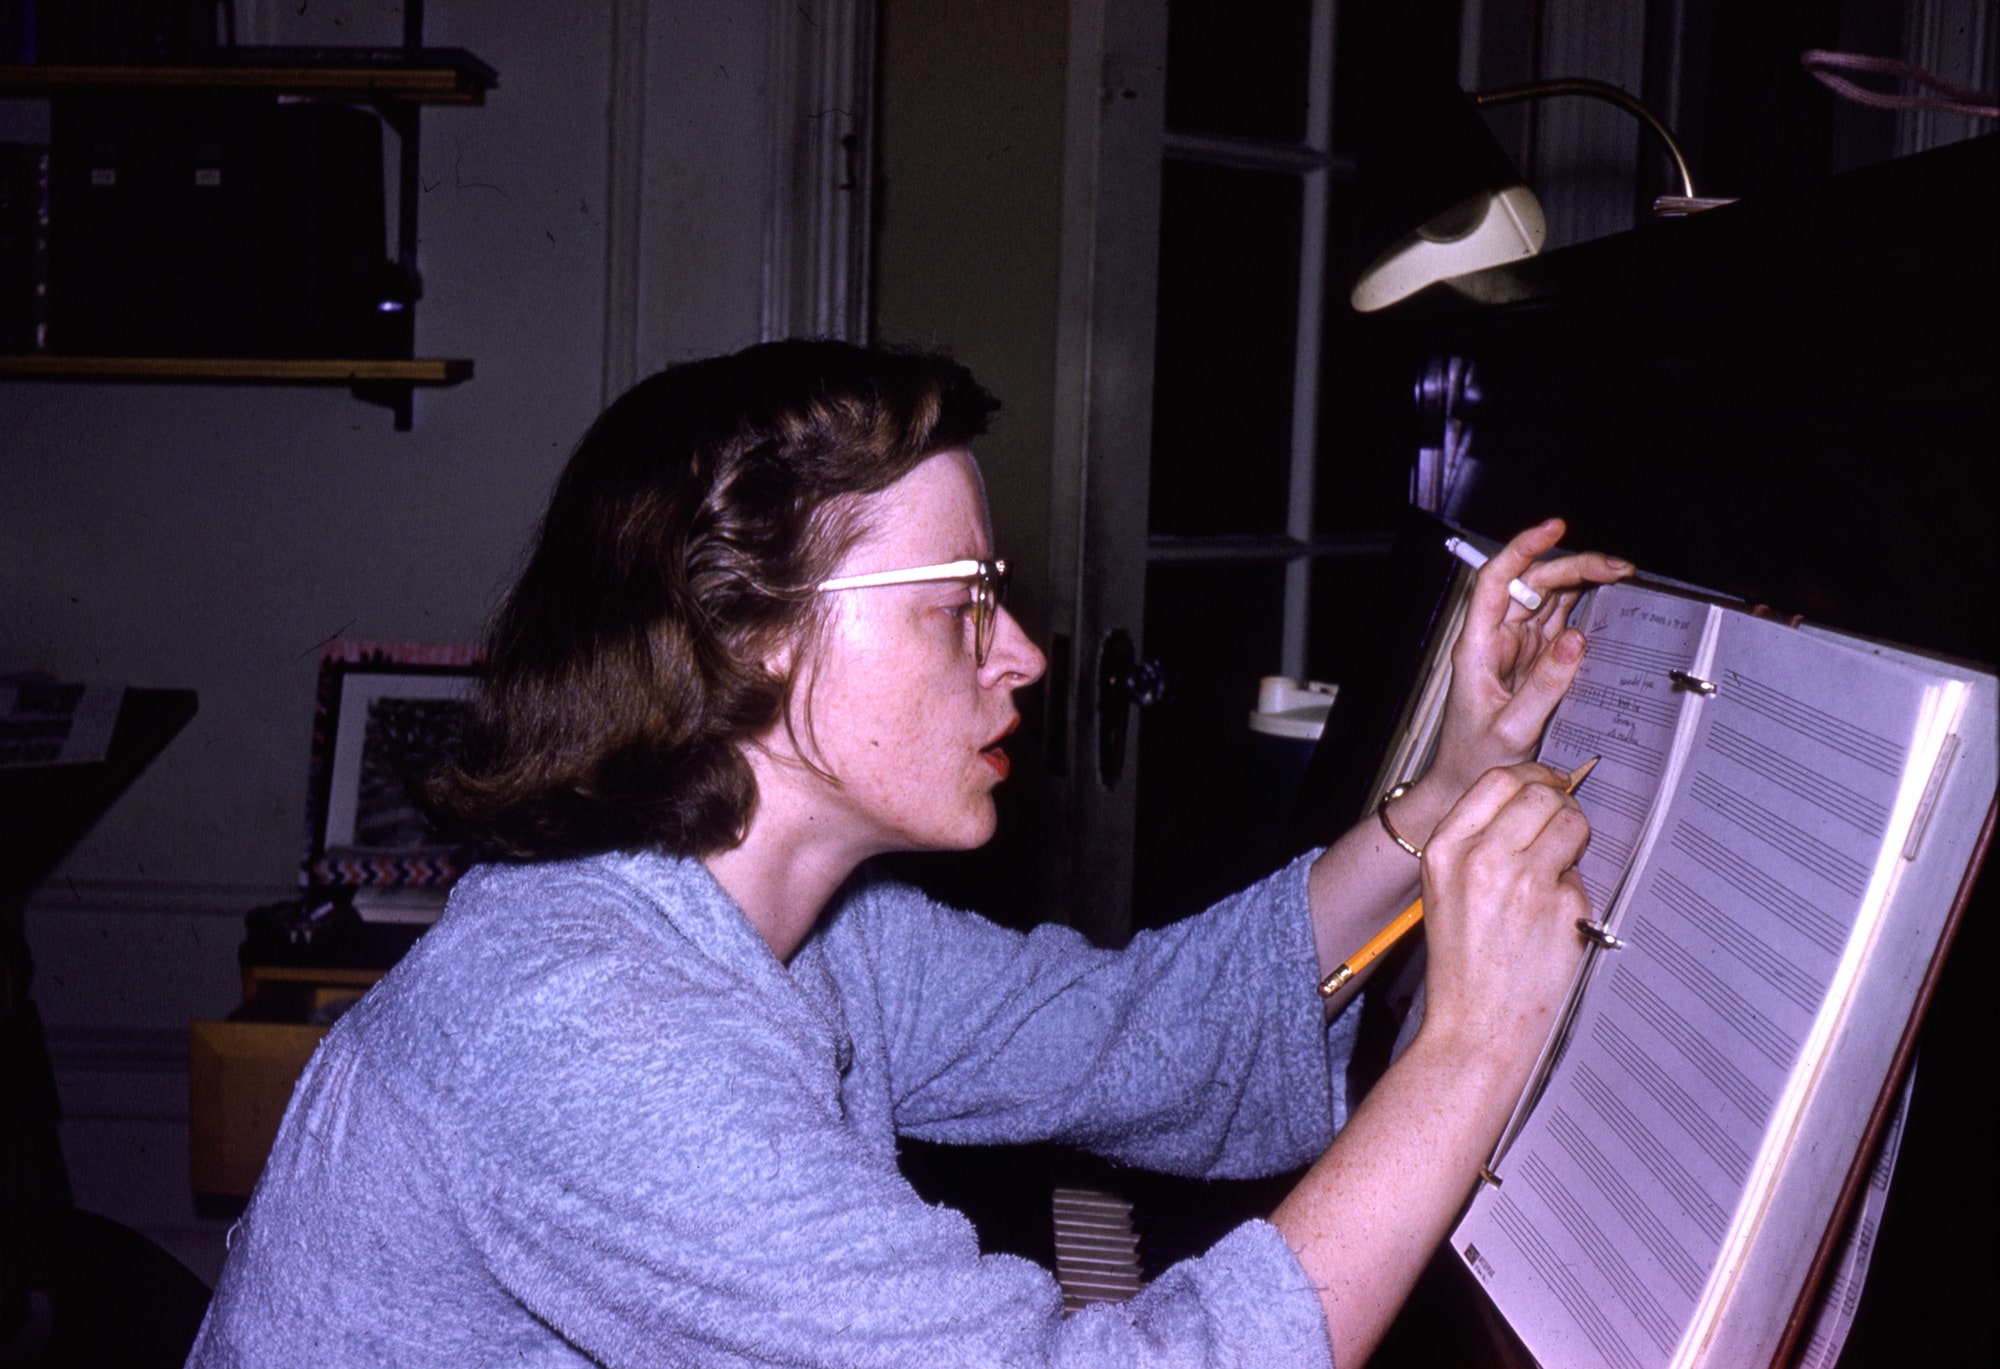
1601, 90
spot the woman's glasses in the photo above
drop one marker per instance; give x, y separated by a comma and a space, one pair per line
989, 586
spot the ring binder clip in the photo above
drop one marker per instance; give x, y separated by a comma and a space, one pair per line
1596, 934
1487, 1176
1683, 680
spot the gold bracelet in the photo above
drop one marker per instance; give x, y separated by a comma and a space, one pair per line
1382, 816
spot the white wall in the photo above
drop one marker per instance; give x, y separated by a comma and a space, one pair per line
213, 537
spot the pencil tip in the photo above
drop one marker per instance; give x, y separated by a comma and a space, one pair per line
1576, 775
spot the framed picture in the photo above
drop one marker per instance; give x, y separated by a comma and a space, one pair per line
387, 714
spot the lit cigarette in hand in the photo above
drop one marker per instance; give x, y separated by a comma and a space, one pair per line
1517, 589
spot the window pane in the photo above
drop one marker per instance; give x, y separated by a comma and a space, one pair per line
1347, 595
1366, 420
1222, 379
1238, 68
1204, 797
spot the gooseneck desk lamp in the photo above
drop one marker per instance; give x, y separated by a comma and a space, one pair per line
1469, 204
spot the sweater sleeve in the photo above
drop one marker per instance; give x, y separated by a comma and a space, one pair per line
1199, 1049
704, 1202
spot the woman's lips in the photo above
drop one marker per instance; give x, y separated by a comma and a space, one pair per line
991, 753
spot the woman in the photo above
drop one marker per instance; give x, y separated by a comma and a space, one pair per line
635, 1099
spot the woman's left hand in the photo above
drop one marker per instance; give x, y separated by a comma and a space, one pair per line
1509, 669
1511, 666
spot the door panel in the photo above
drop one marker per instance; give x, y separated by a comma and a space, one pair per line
1217, 578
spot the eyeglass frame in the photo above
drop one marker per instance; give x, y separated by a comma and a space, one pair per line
989, 586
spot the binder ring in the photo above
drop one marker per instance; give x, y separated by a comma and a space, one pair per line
1595, 933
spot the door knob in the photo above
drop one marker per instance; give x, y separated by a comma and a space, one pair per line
1125, 681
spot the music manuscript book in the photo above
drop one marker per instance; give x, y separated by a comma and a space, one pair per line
1783, 824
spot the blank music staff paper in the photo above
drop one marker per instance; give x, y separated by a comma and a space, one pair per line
1759, 790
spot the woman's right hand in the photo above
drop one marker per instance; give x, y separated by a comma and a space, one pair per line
1501, 902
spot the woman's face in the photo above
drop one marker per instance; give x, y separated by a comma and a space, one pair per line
892, 702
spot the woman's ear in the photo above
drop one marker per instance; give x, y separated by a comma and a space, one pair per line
778, 660
780, 652
788, 667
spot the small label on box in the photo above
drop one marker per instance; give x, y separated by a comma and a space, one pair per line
104, 175
208, 176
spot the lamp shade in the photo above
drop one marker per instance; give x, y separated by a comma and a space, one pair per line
1440, 197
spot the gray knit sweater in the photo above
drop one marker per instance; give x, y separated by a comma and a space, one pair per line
592, 1119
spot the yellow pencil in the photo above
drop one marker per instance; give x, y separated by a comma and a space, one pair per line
1400, 925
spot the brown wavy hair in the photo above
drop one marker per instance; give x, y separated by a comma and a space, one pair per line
631, 661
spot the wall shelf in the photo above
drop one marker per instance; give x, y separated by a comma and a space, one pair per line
396, 81
431, 76
276, 370
273, 369
379, 380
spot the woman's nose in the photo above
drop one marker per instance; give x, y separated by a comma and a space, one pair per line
1013, 654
